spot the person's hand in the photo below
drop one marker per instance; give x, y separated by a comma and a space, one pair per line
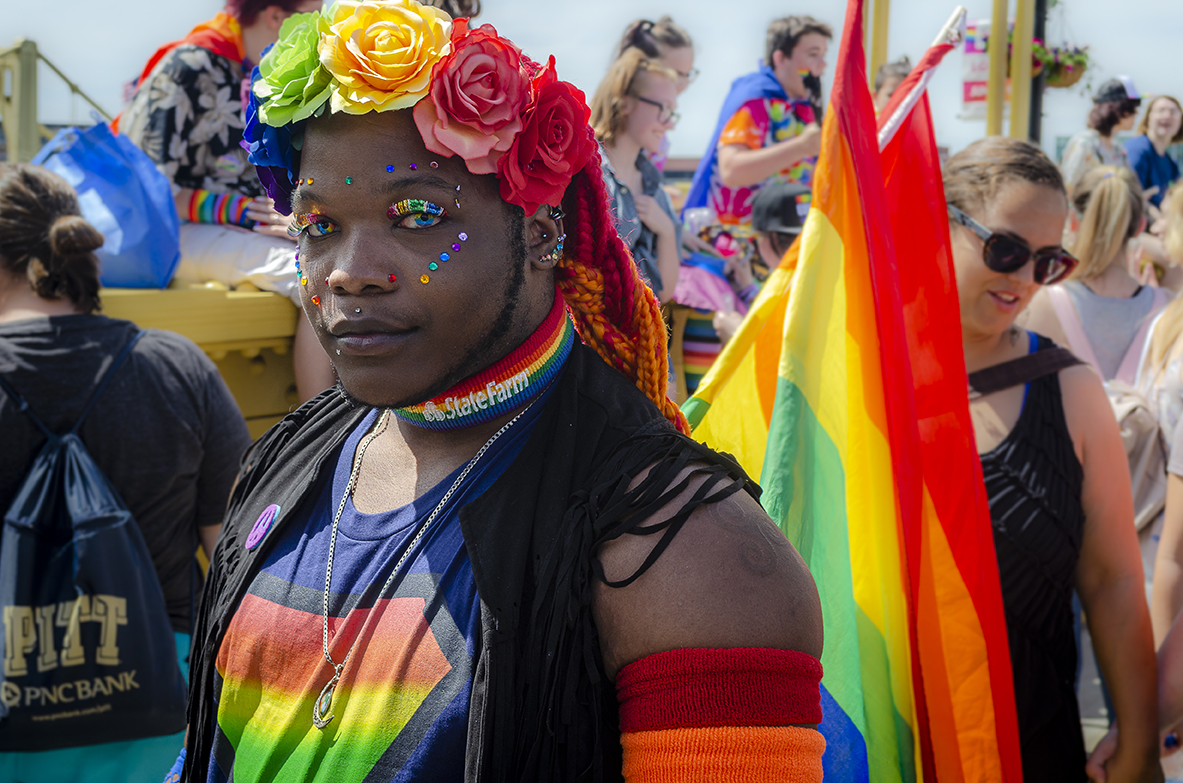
812, 135
267, 220
653, 216
697, 245
740, 270
726, 324
1111, 762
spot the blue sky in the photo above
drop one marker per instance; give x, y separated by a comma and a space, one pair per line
102, 45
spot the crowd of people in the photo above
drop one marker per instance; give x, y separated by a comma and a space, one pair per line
431, 570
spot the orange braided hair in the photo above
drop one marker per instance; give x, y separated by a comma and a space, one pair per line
615, 312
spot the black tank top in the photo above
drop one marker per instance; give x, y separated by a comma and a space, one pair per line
1034, 481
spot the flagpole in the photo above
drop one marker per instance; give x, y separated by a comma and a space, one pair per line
1020, 71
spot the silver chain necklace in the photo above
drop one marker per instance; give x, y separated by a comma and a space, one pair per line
324, 701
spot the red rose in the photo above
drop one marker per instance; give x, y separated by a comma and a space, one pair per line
554, 145
477, 96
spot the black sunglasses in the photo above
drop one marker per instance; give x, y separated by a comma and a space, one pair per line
666, 115
1005, 254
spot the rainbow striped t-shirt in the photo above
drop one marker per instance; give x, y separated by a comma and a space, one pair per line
401, 706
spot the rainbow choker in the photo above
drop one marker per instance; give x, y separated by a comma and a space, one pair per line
508, 385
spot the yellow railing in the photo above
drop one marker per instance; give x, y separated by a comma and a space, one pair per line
18, 105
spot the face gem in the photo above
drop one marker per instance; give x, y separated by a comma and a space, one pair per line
414, 166
390, 169
435, 165
303, 281
316, 301
456, 247
310, 180
392, 278
326, 281
433, 266
457, 203
424, 279
444, 256
349, 180
463, 237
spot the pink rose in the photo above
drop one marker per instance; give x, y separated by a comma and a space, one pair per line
478, 92
554, 145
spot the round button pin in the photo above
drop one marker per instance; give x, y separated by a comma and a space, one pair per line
262, 526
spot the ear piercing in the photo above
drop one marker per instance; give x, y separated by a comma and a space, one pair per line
556, 255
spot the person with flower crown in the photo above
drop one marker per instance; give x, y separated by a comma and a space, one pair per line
187, 115
491, 553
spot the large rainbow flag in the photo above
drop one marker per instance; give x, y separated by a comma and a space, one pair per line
845, 391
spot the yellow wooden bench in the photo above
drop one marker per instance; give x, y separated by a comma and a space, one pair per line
247, 333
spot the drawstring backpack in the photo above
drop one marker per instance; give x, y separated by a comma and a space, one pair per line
88, 652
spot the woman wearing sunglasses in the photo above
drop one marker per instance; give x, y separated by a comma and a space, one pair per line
1055, 471
631, 112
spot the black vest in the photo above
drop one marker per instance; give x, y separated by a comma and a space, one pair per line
542, 708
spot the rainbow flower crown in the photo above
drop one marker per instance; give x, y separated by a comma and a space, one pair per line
472, 93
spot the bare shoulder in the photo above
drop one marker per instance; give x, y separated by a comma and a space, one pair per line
1086, 407
729, 578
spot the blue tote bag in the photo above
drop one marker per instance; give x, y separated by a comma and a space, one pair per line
124, 196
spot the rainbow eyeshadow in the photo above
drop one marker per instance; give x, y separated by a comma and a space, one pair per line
416, 206
304, 220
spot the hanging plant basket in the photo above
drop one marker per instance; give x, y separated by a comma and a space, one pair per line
1066, 65
1063, 76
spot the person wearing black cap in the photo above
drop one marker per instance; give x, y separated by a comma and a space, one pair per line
777, 213
1114, 107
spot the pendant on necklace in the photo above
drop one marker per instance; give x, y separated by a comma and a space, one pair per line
323, 703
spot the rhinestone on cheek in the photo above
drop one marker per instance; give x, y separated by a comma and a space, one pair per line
310, 180
414, 166
349, 180
456, 247
392, 278
424, 279
390, 169
444, 256
433, 266
316, 301
435, 165
326, 281
463, 237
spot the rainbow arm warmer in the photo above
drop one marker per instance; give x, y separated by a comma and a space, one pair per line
721, 715
225, 209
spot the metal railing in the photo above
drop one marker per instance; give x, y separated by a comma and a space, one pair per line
23, 133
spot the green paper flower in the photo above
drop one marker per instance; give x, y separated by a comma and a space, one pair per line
293, 85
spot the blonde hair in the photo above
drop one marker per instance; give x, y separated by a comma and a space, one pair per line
620, 84
1167, 338
1108, 202
1144, 124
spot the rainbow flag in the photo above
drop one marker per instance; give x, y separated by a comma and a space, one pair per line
845, 392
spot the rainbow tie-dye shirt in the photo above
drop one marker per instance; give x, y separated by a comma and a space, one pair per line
402, 703
759, 123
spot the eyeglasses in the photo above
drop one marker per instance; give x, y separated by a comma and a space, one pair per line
666, 115
690, 75
1005, 254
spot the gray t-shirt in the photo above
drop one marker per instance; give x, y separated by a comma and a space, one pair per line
166, 431
1110, 323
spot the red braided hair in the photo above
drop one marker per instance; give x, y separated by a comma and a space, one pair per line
615, 312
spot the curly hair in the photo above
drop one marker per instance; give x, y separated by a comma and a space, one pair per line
1105, 116
44, 238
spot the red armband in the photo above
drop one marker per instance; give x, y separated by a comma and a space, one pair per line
721, 715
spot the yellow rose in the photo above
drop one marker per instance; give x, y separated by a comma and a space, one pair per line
382, 52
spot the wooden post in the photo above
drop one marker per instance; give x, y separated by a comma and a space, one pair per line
879, 27
1020, 71
996, 91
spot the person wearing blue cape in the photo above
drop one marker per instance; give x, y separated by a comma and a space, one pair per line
767, 130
